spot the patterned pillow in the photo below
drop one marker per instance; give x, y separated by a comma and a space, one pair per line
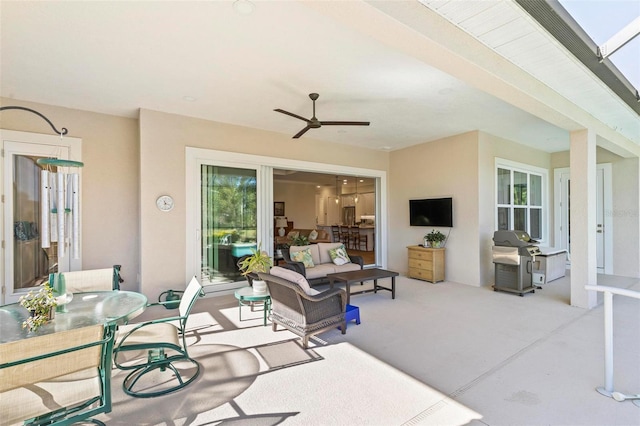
303, 256
313, 235
339, 255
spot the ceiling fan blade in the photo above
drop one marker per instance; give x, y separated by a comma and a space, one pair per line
301, 132
291, 114
345, 123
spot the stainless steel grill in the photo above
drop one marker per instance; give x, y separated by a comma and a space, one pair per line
514, 255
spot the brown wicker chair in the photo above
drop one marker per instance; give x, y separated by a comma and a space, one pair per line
301, 313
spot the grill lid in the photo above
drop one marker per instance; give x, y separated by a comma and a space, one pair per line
512, 238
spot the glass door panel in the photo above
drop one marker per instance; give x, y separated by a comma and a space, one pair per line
228, 221
31, 263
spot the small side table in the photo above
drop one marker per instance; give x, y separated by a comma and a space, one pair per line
245, 295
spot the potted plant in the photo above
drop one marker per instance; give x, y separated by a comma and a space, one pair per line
300, 240
435, 239
258, 261
40, 304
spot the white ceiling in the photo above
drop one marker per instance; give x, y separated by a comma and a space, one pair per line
205, 60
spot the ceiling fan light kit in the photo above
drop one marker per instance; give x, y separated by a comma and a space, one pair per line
314, 123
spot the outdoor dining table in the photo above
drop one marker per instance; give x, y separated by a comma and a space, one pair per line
85, 309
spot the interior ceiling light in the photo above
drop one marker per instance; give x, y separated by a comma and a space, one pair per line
244, 7
355, 199
337, 198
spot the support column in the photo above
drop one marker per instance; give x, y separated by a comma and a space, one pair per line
583, 218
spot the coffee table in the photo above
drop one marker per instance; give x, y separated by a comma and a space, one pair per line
374, 274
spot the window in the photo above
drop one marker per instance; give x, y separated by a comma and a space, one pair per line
520, 198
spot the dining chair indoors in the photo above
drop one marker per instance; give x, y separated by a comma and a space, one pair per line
335, 232
156, 351
57, 379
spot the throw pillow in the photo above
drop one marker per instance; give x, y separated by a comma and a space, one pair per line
303, 256
313, 235
294, 277
339, 255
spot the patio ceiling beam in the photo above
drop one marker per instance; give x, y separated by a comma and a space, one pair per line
619, 39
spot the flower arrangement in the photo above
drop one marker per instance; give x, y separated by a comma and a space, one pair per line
41, 304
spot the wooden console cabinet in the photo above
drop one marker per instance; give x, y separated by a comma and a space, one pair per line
426, 263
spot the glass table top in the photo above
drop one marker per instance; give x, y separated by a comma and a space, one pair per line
85, 309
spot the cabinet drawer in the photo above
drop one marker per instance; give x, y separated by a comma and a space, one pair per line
420, 254
420, 274
421, 264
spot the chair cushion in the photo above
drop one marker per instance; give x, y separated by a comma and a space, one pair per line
339, 255
152, 333
294, 277
303, 256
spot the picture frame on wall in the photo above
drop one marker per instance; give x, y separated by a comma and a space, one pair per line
278, 208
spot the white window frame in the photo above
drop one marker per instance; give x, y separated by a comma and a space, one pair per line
513, 166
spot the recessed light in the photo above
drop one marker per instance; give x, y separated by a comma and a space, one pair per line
189, 98
244, 7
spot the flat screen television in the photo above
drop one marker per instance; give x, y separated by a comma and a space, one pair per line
431, 212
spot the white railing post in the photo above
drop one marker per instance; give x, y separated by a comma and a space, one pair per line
607, 389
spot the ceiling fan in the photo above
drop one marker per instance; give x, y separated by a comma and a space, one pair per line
314, 123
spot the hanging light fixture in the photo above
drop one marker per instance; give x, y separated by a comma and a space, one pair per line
337, 197
355, 199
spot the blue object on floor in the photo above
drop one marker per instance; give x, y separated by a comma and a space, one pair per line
352, 313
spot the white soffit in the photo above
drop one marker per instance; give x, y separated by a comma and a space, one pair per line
508, 30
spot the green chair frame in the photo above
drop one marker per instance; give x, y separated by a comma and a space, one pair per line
88, 275
41, 368
152, 338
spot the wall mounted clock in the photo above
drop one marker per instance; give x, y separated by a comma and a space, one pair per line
164, 203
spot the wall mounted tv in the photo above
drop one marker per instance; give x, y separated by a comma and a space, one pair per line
431, 212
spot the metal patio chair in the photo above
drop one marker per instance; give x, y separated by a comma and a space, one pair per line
106, 279
158, 347
59, 378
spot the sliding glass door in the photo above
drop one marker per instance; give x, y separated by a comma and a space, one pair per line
230, 210
228, 221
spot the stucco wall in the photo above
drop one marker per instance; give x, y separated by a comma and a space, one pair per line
463, 167
446, 167
109, 201
163, 139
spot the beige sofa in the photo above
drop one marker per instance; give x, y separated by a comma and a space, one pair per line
323, 236
322, 263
